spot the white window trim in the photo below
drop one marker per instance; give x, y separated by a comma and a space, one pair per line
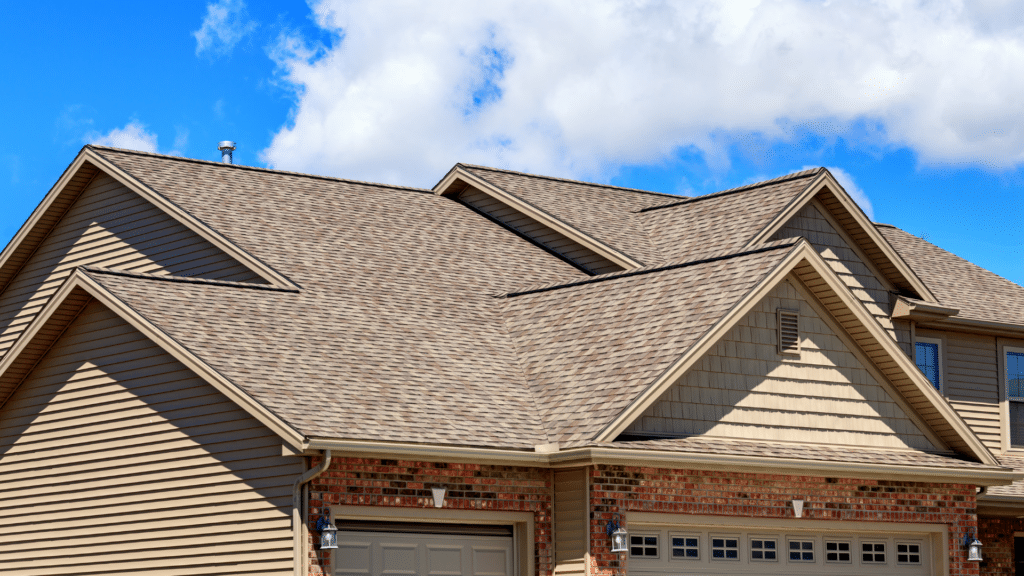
700, 547
941, 357
1004, 349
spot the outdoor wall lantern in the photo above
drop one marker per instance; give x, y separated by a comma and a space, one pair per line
439, 492
973, 546
328, 533
618, 535
798, 508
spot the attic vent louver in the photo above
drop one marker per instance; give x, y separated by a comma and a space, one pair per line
789, 332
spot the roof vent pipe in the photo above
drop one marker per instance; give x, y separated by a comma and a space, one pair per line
226, 148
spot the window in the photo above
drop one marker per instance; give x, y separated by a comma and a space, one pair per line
725, 548
686, 547
789, 331
908, 553
837, 552
927, 353
764, 549
643, 546
872, 552
801, 551
1015, 394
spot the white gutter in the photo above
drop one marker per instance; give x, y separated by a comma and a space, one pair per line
299, 527
573, 457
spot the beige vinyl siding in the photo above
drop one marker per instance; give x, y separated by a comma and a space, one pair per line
970, 382
552, 239
110, 226
743, 388
117, 458
844, 260
571, 521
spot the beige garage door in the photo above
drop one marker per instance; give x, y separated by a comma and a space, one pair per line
423, 550
686, 551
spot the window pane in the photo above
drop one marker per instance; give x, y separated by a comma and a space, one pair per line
1016, 423
1015, 374
928, 361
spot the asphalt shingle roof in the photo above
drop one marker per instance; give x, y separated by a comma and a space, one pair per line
978, 293
589, 349
418, 320
724, 221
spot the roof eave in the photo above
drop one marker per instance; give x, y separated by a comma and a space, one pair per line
575, 457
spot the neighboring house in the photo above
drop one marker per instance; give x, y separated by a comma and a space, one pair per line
199, 361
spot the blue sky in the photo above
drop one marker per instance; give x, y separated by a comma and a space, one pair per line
915, 106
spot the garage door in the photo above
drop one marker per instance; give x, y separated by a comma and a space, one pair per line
657, 551
377, 549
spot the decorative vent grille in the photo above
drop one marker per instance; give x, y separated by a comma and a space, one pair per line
789, 332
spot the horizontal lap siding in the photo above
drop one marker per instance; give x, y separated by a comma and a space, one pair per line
109, 226
538, 232
140, 465
972, 383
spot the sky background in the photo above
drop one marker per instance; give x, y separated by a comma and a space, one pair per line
914, 106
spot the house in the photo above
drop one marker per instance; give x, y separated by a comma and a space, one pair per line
202, 363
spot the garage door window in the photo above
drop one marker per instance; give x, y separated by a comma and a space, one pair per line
908, 554
725, 548
838, 552
686, 547
643, 546
764, 549
801, 551
872, 552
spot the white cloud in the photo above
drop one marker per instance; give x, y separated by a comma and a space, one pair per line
407, 89
225, 24
132, 137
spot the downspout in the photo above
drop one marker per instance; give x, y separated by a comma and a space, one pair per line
298, 526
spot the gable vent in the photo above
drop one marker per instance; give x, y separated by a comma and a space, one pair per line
789, 332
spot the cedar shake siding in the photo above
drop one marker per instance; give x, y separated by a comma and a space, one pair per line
137, 464
846, 261
110, 226
745, 389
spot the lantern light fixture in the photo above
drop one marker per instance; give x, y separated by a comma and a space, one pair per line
973, 546
328, 533
618, 534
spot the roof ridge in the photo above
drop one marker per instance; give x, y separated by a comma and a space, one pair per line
738, 189
256, 168
570, 180
723, 255
186, 279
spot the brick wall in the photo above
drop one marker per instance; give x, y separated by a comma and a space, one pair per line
375, 482
996, 535
618, 489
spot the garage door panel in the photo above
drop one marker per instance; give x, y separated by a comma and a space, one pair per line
491, 561
399, 559
353, 558
444, 560
433, 553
